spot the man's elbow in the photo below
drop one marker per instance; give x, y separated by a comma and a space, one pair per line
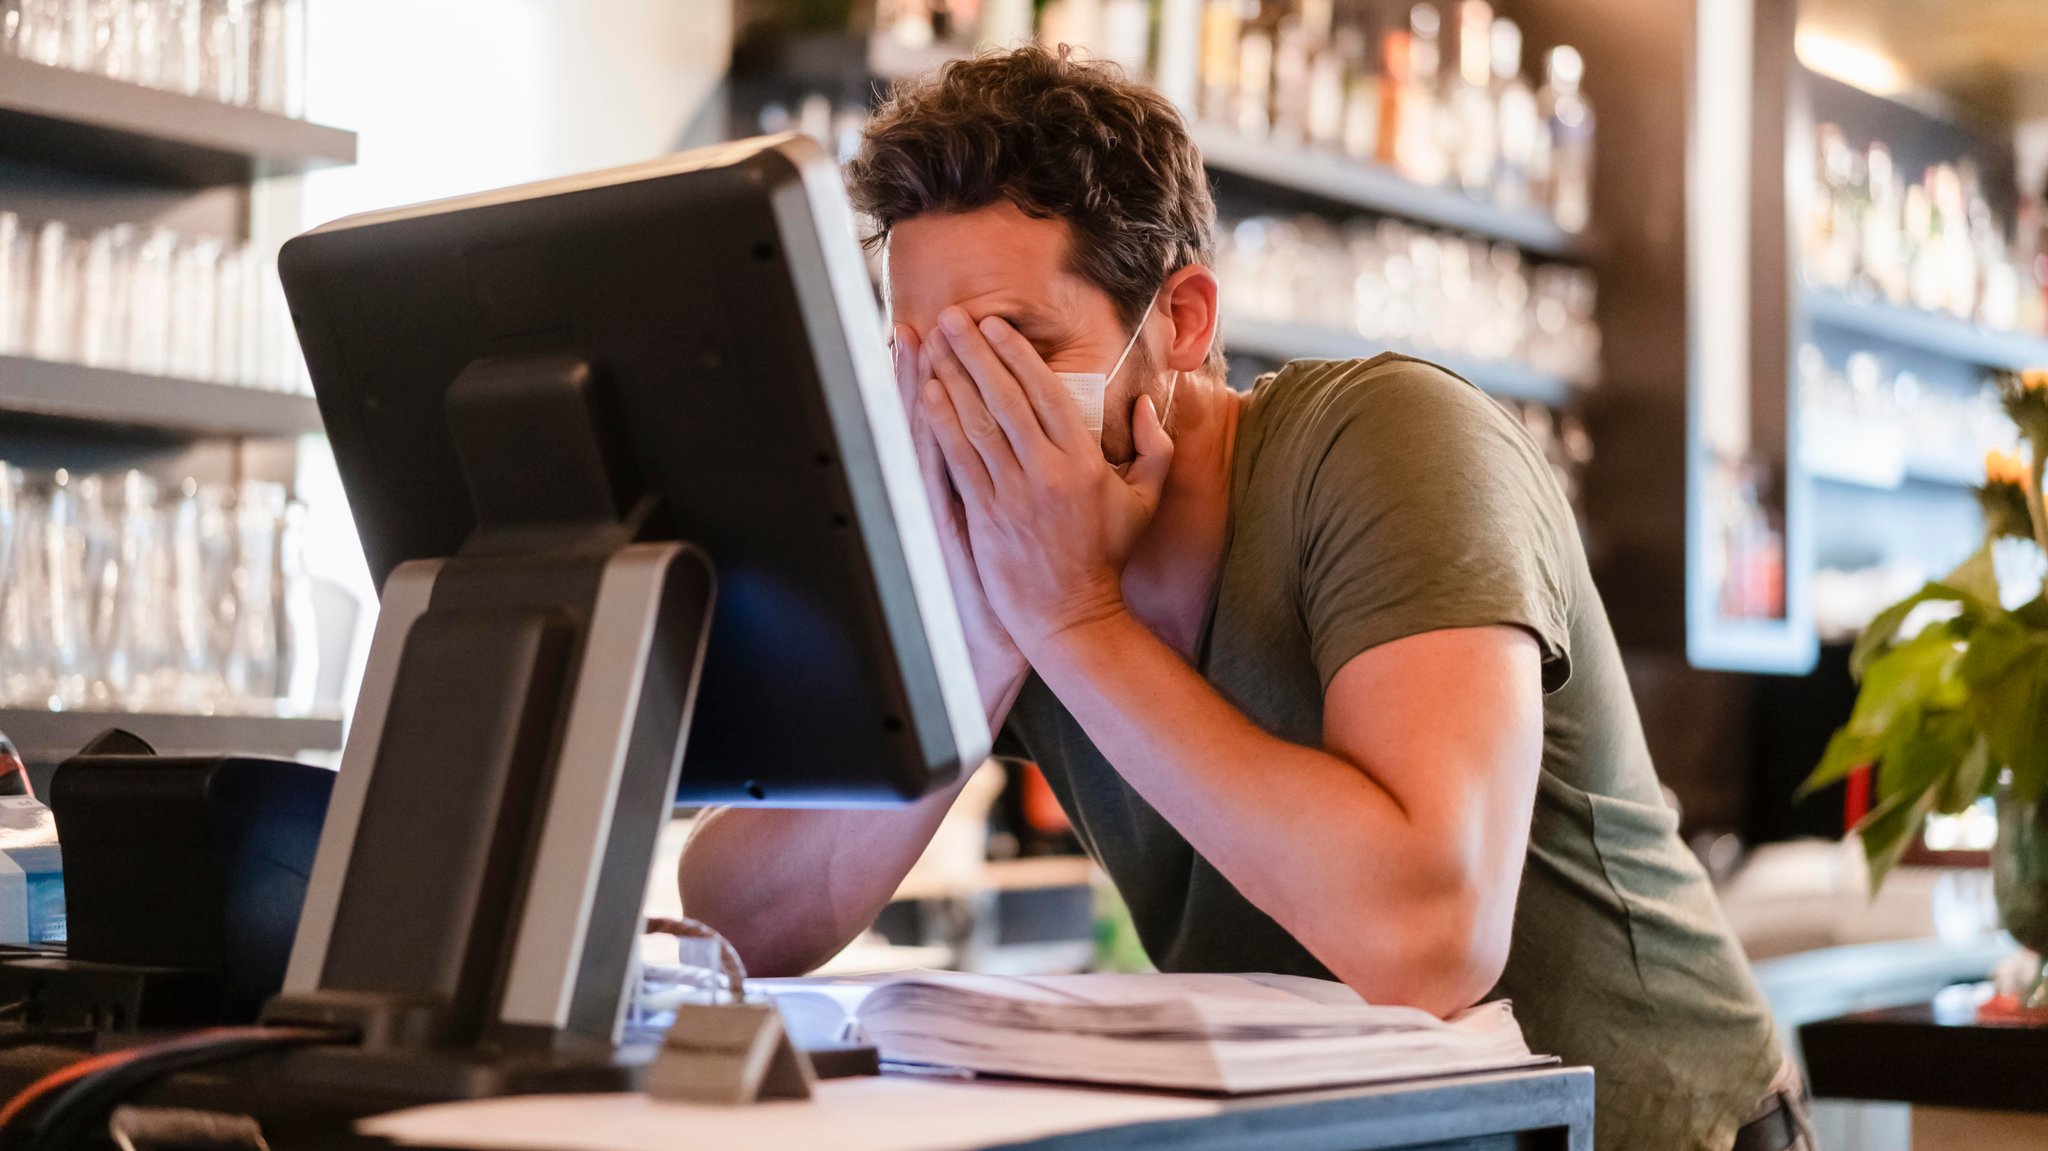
1443, 957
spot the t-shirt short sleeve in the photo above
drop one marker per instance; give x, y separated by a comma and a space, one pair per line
1425, 507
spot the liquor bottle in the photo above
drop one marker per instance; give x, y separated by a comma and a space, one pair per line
1475, 137
1883, 245
1570, 121
1515, 117
1959, 257
1073, 22
1222, 26
1127, 34
1003, 24
2031, 314
1923, 276
1255, 81
1396, 84
1361, 95
1292, 50
1418, 146
1177, 64
1326, 71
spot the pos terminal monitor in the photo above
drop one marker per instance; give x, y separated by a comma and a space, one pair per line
606, 438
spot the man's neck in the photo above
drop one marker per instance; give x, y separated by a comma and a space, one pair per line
1172, 574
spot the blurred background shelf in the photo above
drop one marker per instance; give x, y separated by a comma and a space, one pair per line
1928, 332
1281, 341
85, 123
49, 736
107, 398
1372, 188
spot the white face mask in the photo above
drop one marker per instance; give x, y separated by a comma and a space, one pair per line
1088, 388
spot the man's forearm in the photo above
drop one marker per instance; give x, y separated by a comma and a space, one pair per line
790, 888
1309, 837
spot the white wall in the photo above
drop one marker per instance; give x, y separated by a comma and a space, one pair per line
456, 96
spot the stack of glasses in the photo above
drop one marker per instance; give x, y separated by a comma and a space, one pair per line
115, 596
1414, 289
145, 300
248, 52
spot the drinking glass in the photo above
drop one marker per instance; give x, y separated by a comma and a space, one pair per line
181, 32
10, 27
113, 38
64, 548
225, 30
39, 34
298, 631
232, 275
101, 330
139, 653
193, 306
100, 590
149, 302
279, 57
146, 23
25, 619
251, 664
10, 514
180, 537
14, 284
51, 312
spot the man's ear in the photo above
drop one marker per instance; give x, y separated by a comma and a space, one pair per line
1188, 299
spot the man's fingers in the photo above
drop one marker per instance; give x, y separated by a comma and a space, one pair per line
1056, 410
982, 428
908, 353
1147, 473
963, 461
1006, 398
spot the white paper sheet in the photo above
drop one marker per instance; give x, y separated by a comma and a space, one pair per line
886, 1113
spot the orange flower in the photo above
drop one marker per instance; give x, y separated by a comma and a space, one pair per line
2006, 467
2034, 380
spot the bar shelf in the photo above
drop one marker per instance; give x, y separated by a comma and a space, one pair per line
1931, 332
161, 405
82, 122
1378, 189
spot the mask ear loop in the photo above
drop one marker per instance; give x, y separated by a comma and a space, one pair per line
1133, 341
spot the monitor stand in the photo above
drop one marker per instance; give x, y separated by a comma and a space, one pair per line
475, 906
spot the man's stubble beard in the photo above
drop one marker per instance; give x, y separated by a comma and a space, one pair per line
1160, 388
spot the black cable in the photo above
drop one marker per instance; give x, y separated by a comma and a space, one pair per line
67, 1117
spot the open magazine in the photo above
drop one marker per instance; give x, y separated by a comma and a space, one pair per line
1231, 1034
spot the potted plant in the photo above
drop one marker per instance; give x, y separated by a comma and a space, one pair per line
1958, 710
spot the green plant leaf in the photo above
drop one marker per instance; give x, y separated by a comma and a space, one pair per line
1846, 752
1901, 686
1923, 753
2005, 511
1915, 675
2006, 672
1889, 830
1971, 779
1877, 639
1977, 579
2033, 613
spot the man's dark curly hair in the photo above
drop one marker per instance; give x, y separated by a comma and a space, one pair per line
1059, 137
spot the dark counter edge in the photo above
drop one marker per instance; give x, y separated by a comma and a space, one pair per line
1902, 1055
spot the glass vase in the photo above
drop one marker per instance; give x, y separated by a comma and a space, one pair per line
2019, 867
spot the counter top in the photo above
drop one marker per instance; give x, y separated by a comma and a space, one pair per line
1927, 1057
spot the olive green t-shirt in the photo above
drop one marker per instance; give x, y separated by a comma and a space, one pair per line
1377, 499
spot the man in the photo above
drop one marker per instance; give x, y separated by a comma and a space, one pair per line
1317, 671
